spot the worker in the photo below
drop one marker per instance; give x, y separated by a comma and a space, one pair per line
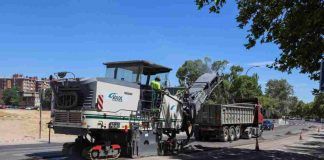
155, 84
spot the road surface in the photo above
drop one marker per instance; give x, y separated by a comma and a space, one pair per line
53, 151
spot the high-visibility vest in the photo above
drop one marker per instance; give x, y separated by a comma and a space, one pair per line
156, 85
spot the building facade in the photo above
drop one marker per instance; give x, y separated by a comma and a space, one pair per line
28, 88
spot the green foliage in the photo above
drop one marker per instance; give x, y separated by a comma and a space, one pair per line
219, 66
11, 96
279, 89
296, 26
46, 101
245, 87
282, 93
310, 110
191, 70
318, 105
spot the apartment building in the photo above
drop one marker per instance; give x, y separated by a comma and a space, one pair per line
28, 88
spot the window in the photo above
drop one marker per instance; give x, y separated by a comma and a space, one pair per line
164, 79
128, 74
110, 72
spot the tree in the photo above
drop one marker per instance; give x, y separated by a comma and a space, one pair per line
191, 70
279, 89
270, 106
296, 26
282, 92
318, 105
11, 96
219, 66
46, 101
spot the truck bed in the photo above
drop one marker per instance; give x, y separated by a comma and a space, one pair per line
219, 115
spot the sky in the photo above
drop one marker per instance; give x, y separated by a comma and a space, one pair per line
39, 38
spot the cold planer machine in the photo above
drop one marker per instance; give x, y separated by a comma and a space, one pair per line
120, 114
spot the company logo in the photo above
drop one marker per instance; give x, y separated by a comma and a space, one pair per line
173, 107
115, 97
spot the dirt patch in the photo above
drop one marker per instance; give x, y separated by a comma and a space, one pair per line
22, 126
3, 113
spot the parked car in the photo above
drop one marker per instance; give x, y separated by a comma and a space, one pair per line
22, 107
3, 106
267, 125
31, 108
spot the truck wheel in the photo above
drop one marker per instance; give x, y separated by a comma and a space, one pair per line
249, 133
237, 132
231, 134
197, 134
161, 149
225, 133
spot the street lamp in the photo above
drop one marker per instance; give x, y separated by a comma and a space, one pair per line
251, 68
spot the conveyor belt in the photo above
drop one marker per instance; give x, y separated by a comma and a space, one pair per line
202, 88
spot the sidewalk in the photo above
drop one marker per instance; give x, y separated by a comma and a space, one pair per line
312, 144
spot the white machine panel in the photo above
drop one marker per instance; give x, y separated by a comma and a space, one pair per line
118, 98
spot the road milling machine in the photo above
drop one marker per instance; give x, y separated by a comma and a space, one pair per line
120, 114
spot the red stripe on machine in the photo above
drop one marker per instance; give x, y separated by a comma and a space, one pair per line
100, 102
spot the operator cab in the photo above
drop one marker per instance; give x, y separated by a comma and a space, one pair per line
138, 71
142, 73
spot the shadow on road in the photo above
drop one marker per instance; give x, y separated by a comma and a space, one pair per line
206, 154
315, 148
243, 154
318, 136
45, 155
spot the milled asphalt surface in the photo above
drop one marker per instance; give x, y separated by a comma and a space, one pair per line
53, 151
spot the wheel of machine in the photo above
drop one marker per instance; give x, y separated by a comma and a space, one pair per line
231, 134
225, 133
237, 132
94, 154
161, 149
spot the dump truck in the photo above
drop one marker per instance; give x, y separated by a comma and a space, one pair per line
120, 114
229, 122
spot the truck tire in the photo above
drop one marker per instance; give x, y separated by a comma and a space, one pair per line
231, 133
224, 136
161, 149
237, 132
197, 134
249, 133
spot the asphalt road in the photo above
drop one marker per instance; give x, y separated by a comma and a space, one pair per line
53, 151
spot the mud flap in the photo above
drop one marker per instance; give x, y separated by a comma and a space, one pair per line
147, 144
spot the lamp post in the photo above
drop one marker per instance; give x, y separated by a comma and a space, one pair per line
251, 68
41, 94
